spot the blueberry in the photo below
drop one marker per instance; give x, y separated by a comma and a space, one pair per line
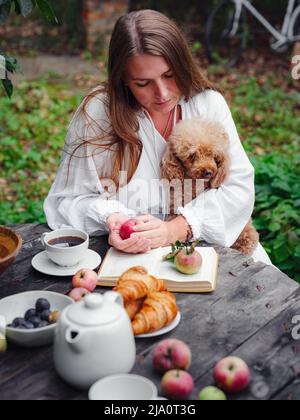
42, 305
35, 320
45, 315
30, 314
17, 322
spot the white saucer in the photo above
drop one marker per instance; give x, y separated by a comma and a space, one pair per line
164, 330
44, 265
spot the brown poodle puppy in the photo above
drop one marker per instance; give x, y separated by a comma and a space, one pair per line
199, 149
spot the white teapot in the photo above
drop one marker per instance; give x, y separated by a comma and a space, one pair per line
93, 339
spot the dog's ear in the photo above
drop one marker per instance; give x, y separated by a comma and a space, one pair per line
171, 167
223, 170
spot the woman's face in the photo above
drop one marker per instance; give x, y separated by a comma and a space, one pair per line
152, 83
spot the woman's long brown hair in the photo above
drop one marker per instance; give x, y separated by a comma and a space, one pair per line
139, 32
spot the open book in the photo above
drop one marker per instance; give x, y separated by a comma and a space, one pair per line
116, 262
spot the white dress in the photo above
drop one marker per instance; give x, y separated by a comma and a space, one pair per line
77, 197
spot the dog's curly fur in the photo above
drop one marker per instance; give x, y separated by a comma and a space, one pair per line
199, 149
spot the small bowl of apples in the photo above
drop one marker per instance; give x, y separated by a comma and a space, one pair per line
29, 318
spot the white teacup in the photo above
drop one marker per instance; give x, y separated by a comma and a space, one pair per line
123, 387
66, 247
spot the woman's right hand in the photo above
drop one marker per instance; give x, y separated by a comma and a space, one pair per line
134, 245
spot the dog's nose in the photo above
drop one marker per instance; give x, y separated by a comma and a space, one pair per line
208, 174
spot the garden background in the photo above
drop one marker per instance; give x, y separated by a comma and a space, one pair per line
59, 64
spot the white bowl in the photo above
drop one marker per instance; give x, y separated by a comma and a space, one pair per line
15, 306
123, 387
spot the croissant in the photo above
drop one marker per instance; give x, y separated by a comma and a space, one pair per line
158, 311
136, 283
133, 307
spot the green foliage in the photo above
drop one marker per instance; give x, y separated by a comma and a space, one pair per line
32, 130
24, 8
268, 121
277, 210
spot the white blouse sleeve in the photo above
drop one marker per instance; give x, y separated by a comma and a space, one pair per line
77, 198
219, 215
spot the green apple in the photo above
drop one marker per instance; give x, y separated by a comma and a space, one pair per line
188, 262
211, 393
3, 343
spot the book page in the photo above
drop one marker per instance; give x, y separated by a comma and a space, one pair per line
168, 270
116, 262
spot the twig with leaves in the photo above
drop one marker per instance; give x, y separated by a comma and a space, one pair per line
24, 8
178, 246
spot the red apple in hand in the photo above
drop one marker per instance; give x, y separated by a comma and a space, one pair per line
177, 384
78, 293
85, 278
171, 354
232, 374
127, 228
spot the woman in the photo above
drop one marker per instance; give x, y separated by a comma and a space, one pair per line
110, 168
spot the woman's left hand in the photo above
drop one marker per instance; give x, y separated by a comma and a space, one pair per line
154, 229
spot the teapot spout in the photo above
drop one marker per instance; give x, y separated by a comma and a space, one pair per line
75, 340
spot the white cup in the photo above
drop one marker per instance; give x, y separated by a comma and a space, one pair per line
123, 387
65, 256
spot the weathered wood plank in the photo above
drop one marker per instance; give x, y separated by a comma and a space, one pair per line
249, 297
216, 325
273, 357
289, 393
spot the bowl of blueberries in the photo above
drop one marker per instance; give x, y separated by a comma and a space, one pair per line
30, 318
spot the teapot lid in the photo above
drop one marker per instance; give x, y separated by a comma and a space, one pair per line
96, 309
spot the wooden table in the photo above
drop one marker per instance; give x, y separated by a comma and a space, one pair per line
250, 315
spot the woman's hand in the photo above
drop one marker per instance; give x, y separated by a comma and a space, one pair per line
153, 229
134, 245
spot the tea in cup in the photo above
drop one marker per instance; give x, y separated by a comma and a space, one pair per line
66, 247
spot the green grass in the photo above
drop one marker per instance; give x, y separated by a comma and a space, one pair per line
33, 126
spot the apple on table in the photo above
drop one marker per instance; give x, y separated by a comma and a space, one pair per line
85, 278
232, 374
211, 393
177, 384
171, 353
78, 293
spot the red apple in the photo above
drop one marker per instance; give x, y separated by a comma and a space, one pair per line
126, 228
85, 278
188, 262
171, 354
177, 384
78, 293
232, 374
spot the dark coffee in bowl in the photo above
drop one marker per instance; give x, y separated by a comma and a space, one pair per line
66, 241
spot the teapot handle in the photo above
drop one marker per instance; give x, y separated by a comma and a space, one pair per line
114, 297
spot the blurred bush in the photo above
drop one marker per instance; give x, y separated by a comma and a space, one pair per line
181, 11
35, 33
